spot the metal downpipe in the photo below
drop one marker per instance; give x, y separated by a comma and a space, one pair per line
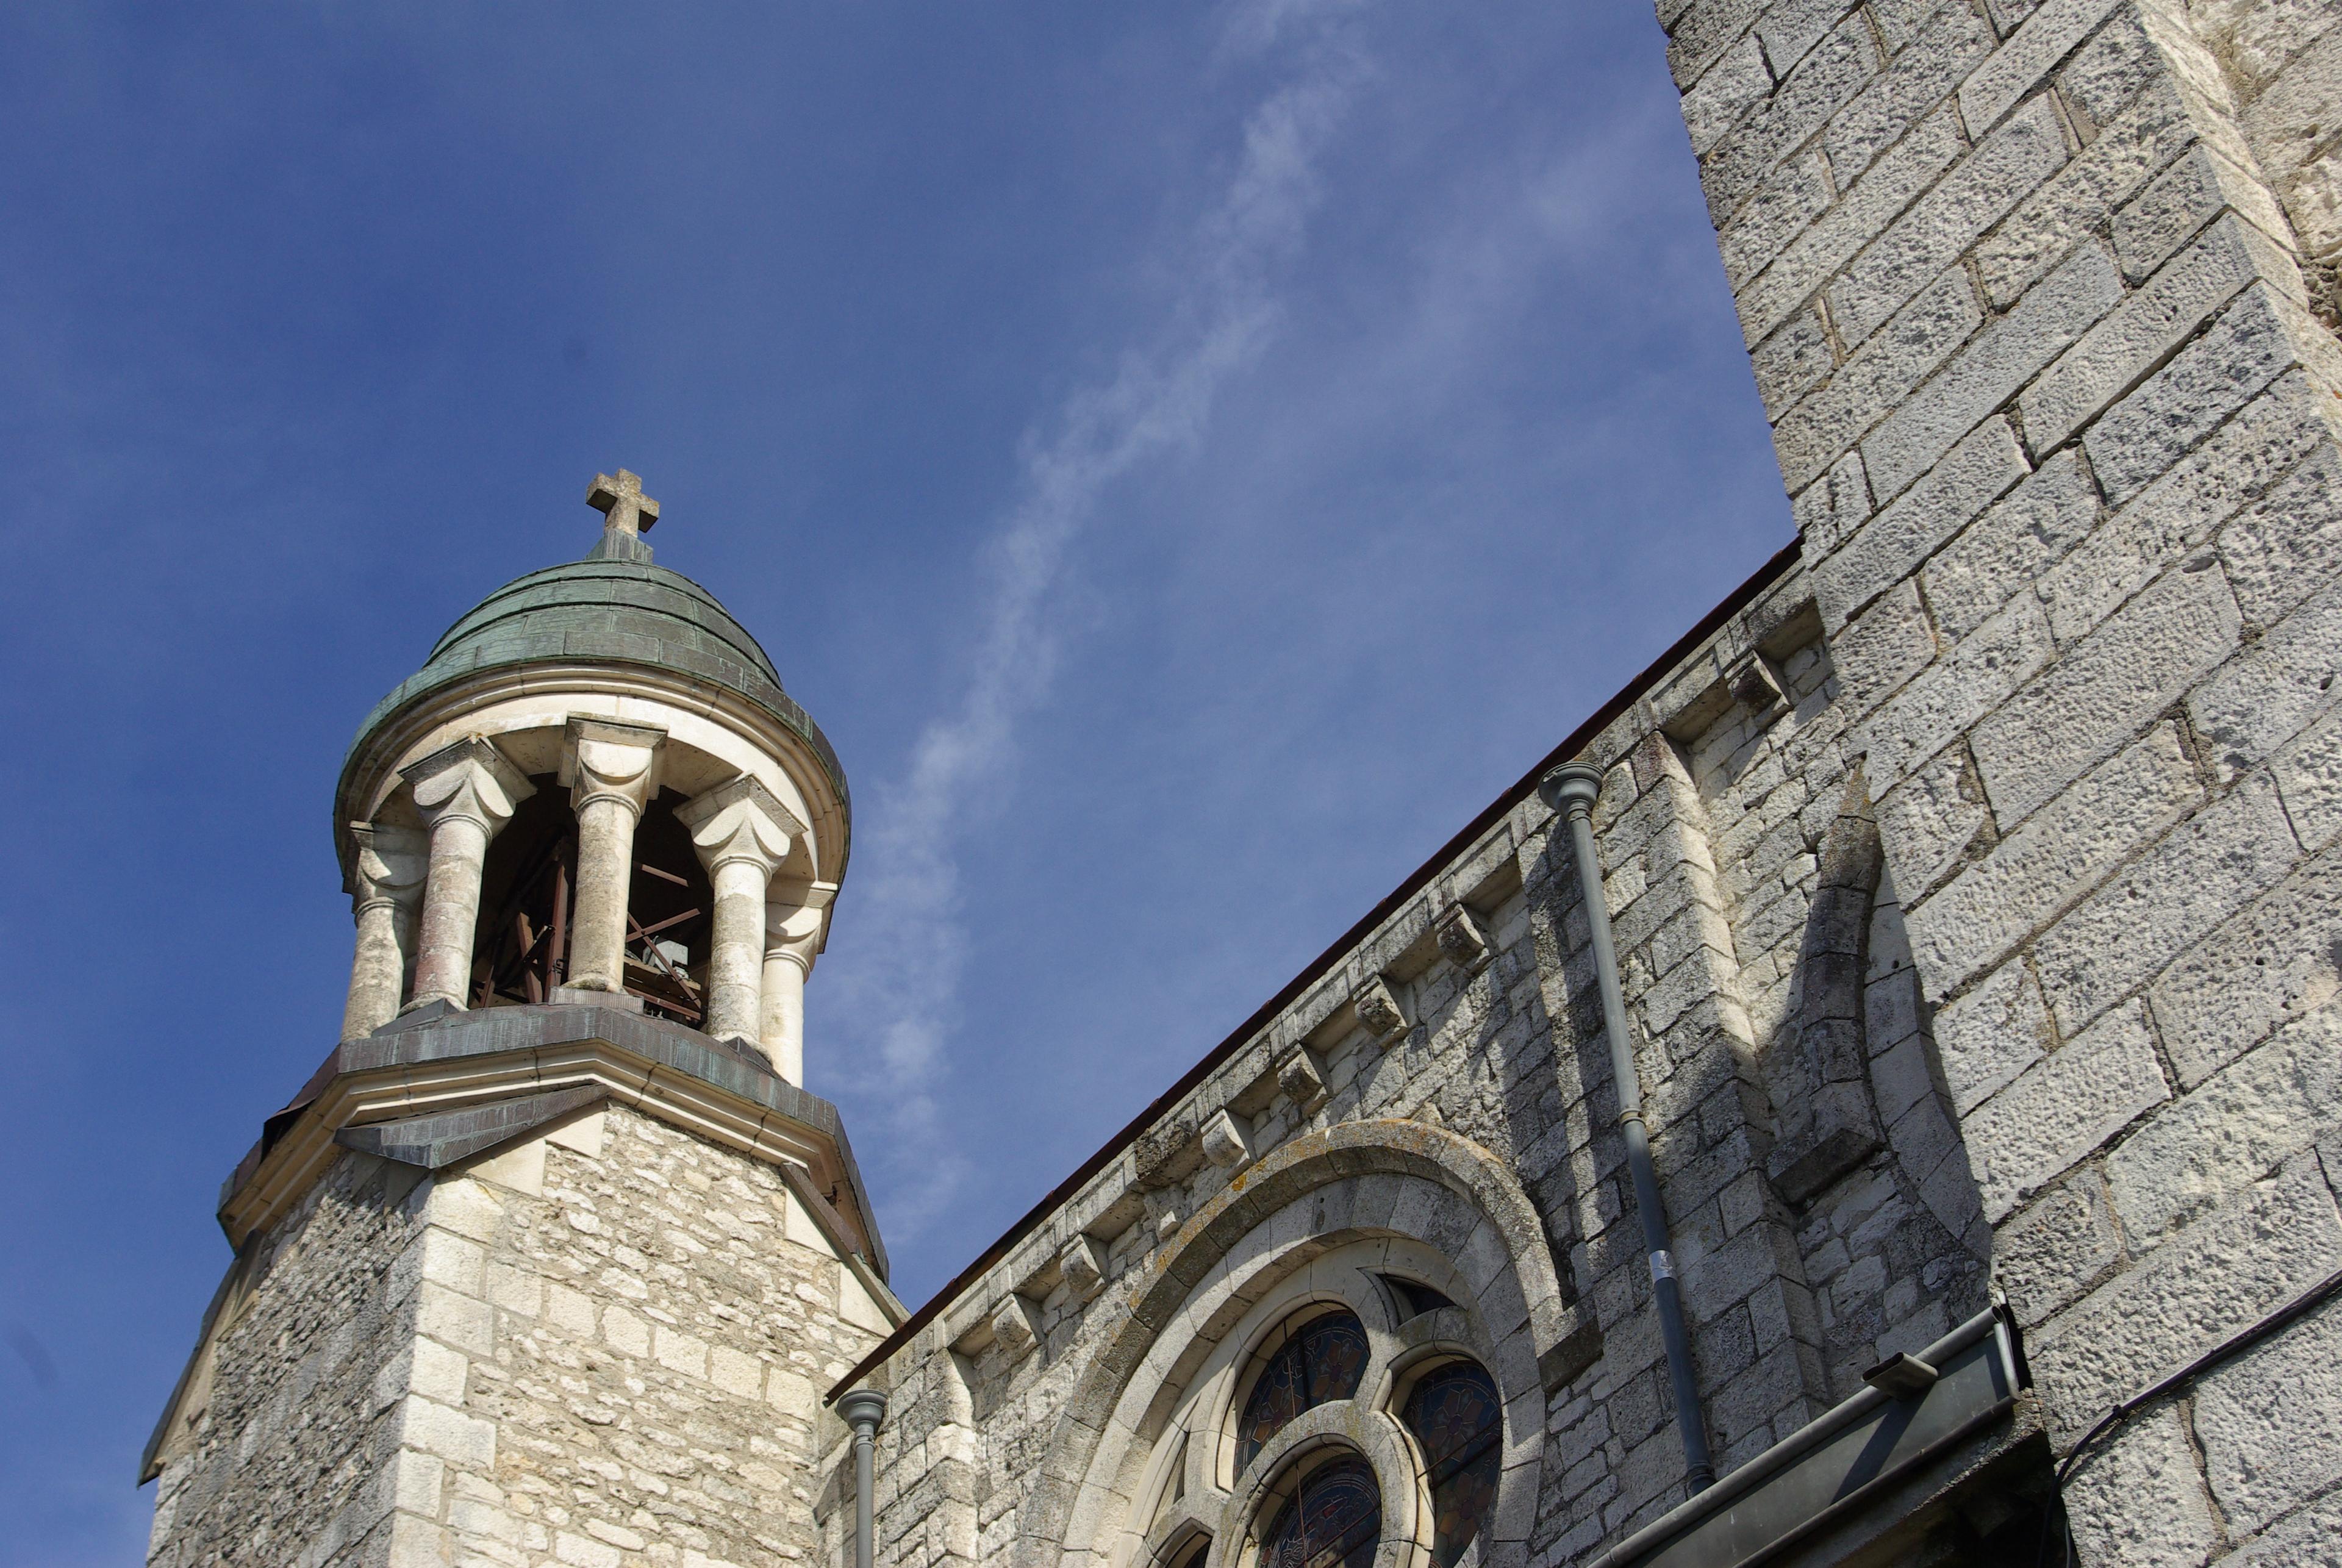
1570, 790
862, 1409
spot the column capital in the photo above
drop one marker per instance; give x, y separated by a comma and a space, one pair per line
796, 913
739, 821
390, 864
602, 759
468, 779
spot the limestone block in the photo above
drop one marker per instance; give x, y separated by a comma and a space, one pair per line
2063, 1108
2256, 340
1860, 215
1917, 82
2068, 847
2094, 699
1880, 375
1828, 75
2218, 1276
1980, 673
2011, 545
2116, 163
2108, 71
2231, 1131
1988, 1037
1700, 32
2054, 313
2145, 328
1736, 81
2239, 463
2140, 1500
2199, 184
456, 1321
2048, 1256
2285, 546
2004, 167
1975, 474
1928, 822
1887, 645
1462, 941
1225, 1143
2271, 1424
2268, 694
1796, 358
626, 1333
2225, 856
2309, 1539
2027, 55
448, 1434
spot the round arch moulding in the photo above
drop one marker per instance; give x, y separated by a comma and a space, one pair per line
1226, 1277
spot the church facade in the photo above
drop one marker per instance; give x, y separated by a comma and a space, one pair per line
1867, 1096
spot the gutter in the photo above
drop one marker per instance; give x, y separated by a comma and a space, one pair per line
1783, 561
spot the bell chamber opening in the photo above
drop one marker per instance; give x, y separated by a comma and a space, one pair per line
529, 909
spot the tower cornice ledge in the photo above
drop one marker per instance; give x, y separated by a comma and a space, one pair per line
435, 1062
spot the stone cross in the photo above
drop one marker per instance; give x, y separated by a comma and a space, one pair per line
622, 501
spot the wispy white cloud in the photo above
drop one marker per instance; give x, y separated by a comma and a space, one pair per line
909, 906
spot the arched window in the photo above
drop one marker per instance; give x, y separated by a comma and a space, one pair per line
1333, 1520
1319, 1359
1455, 1414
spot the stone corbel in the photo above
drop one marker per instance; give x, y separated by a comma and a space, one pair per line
1016, 1326
1378, 1011
1303, 1084
1082, 1265
1462, 940
1754, 687
1225, 1143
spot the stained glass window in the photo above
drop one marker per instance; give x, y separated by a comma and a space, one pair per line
1191, 1551
1455, 1415
1333, 1520
1322, 1359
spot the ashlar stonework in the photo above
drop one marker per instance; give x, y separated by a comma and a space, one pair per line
1969, 876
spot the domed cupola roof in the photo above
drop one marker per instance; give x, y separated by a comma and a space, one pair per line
613, 608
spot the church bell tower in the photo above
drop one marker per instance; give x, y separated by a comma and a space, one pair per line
550, 1258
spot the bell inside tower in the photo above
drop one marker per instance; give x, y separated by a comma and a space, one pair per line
529, 909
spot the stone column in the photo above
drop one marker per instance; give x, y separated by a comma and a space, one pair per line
611, 771
742, 833
795, 914
385, 894
465, 792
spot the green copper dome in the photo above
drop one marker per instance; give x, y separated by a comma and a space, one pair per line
608, 609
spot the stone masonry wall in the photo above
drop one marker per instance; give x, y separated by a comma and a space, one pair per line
604, 1347
1731, 809
296, 1456
2038, 296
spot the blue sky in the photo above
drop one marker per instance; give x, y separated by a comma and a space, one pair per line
1189, 459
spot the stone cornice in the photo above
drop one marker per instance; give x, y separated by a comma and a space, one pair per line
437, 1060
